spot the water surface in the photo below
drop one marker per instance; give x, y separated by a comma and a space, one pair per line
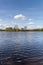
21, 48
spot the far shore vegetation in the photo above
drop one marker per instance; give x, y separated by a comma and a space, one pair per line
10, 29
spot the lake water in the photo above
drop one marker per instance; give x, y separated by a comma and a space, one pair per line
21, 48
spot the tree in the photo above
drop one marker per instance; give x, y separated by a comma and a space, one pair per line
16, 28
9, 29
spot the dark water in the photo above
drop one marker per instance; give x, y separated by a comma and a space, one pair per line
21, 48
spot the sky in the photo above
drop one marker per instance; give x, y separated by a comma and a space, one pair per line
21, 12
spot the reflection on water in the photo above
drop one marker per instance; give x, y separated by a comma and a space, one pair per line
21, 48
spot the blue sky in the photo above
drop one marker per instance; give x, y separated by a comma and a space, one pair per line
21, 12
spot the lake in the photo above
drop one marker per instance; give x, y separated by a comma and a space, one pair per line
21, 48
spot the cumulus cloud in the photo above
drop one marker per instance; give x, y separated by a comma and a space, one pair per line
6, 26
19, 16
31, 23
3, 26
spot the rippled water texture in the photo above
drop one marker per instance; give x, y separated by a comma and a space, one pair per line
21, 48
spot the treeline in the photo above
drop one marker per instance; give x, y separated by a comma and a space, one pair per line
14, 29
10, 29
22, 29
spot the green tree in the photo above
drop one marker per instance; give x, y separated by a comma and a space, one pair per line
9, 29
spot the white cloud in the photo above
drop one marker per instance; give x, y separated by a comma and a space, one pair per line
31, 23
19, 16
3, 26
